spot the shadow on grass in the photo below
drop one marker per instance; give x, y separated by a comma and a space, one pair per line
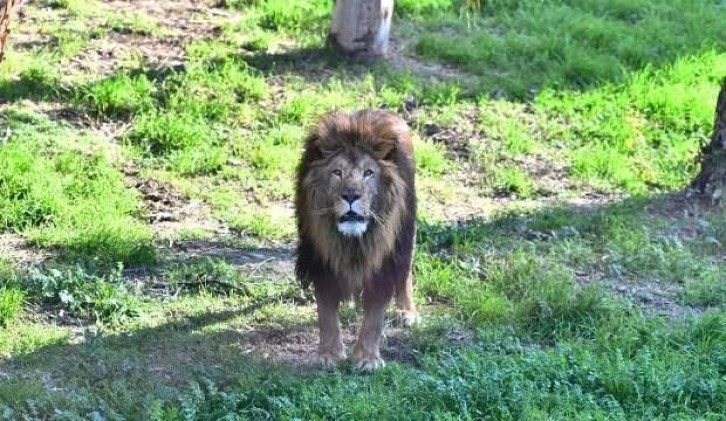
127, 372
32, 86
130, 369
311, 63
314, 65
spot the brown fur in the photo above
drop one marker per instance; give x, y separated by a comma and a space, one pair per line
378, 262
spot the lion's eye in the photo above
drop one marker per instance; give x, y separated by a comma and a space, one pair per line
367, 173
338, 173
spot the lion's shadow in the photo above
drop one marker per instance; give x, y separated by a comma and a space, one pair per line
129, 371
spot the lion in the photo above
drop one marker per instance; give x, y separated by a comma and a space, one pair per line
355, 206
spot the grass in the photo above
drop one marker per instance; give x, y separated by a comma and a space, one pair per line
11, 303
535, 45
62, 196
483, 381
560, 274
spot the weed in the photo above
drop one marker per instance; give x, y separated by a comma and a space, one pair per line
57, 4
430, 158
119, 96
263, 223
11, 303
707, 288
206, 275
165, 132
198, 160
512, 180
83, 294
134, 24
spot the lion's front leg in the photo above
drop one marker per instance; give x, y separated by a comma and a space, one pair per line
330, 349
366, 352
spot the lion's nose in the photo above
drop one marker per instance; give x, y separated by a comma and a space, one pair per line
351, 196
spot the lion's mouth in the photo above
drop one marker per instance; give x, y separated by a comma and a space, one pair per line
352, 224
351, 216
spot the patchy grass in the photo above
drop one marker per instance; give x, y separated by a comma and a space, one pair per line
559, 272
63, 196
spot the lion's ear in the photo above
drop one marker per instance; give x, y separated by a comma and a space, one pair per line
385, 149
321, 142
393, 137
322, 147
313, 150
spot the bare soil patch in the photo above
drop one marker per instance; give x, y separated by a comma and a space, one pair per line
654, 297
400, 57
174, 24
296, 346
276, 262
15, 248
168, 211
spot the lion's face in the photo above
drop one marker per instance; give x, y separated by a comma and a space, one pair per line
353, 186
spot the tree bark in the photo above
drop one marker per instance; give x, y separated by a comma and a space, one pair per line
360, 28
712, 177
6, 9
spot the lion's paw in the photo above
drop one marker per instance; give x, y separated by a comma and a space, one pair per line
407, 318
327, 359
370, 364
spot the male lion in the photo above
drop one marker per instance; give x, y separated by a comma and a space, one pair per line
356, 217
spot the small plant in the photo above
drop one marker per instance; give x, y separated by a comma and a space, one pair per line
706, 289
83, 294
512, 180
431, 158
160, 133
56, 4
118, 96
11, 303
199, 160
262, 223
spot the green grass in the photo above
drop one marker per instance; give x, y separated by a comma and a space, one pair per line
558, 275
512, 180
66, 197
11, 303
118, 96
571, 380
533, 45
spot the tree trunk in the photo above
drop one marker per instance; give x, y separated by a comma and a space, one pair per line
712, 178
6, 9
360, 28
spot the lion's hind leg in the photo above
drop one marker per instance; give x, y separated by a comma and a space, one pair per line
405, 307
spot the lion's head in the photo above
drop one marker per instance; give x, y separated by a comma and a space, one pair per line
355, 184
